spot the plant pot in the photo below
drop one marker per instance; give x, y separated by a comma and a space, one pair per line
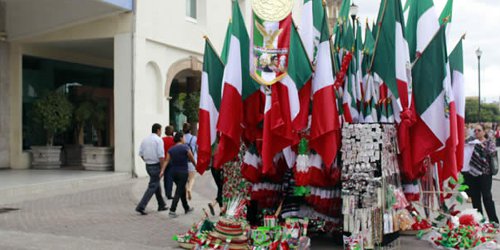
97, 158
46, 157
72, 155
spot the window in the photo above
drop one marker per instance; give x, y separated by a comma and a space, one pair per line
191, 9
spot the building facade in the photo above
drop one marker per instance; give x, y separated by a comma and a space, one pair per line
136, 56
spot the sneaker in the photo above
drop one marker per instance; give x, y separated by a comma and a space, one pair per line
190, 210
172, 214
162, 208
142, 212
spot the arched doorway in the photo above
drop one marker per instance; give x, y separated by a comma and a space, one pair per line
184, 78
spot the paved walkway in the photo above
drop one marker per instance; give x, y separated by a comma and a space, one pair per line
104, 218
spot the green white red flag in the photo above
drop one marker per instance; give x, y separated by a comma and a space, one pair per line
210, 100
433, 103
237, 88
286, 77
392, 64
457, 82
325, 128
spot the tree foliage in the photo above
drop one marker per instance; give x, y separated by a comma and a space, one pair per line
53, 112
191, 106
489, 111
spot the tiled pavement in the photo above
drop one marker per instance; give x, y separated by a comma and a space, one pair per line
104, 218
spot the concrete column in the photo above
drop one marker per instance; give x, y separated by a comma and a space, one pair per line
4, 96
18, 158
4, 107
123, 87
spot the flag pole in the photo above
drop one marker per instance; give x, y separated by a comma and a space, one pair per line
378, 36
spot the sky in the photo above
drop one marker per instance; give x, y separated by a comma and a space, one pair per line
480, 20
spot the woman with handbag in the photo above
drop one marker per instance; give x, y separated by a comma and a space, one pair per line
481, 173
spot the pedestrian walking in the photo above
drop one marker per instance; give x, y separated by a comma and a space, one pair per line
168, 142
152, 153
190, 141
480, 176
178, 157
218, 175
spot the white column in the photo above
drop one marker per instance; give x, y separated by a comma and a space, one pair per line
4, 107
123, 87
18, 158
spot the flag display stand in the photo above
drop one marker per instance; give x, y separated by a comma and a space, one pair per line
314, 132
372, 197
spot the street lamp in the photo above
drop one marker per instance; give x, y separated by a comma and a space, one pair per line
353, 11
479, 52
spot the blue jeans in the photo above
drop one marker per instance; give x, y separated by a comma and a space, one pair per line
153, 188
168, 182
180, 179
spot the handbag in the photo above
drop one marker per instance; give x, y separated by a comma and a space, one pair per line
493, 162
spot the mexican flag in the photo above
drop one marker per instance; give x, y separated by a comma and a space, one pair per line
237, 88
391, 63
325, 128
210, 100
358, 72
310, 29
351, 83
370, 97
282, 104
433, 96
391, 56
422, 26
446, 15
227, 40
457, 82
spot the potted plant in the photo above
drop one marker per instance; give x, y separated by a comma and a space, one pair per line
53, 113
84, 107
98, 157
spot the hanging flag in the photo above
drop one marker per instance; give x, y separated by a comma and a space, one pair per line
392, 64
457, 82
237, 88
370, 97
325, 128
358, 53
282, 99
421, 27
210, 99
446, 15
391, 56
350, 99
432, 98
310, 29
227, 40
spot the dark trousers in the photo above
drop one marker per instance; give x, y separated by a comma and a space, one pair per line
168, 182
219, 181
180, 180
153, 187
480, 187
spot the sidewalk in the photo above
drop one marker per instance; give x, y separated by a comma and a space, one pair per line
104, 218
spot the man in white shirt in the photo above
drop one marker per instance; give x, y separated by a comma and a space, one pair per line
152, 153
